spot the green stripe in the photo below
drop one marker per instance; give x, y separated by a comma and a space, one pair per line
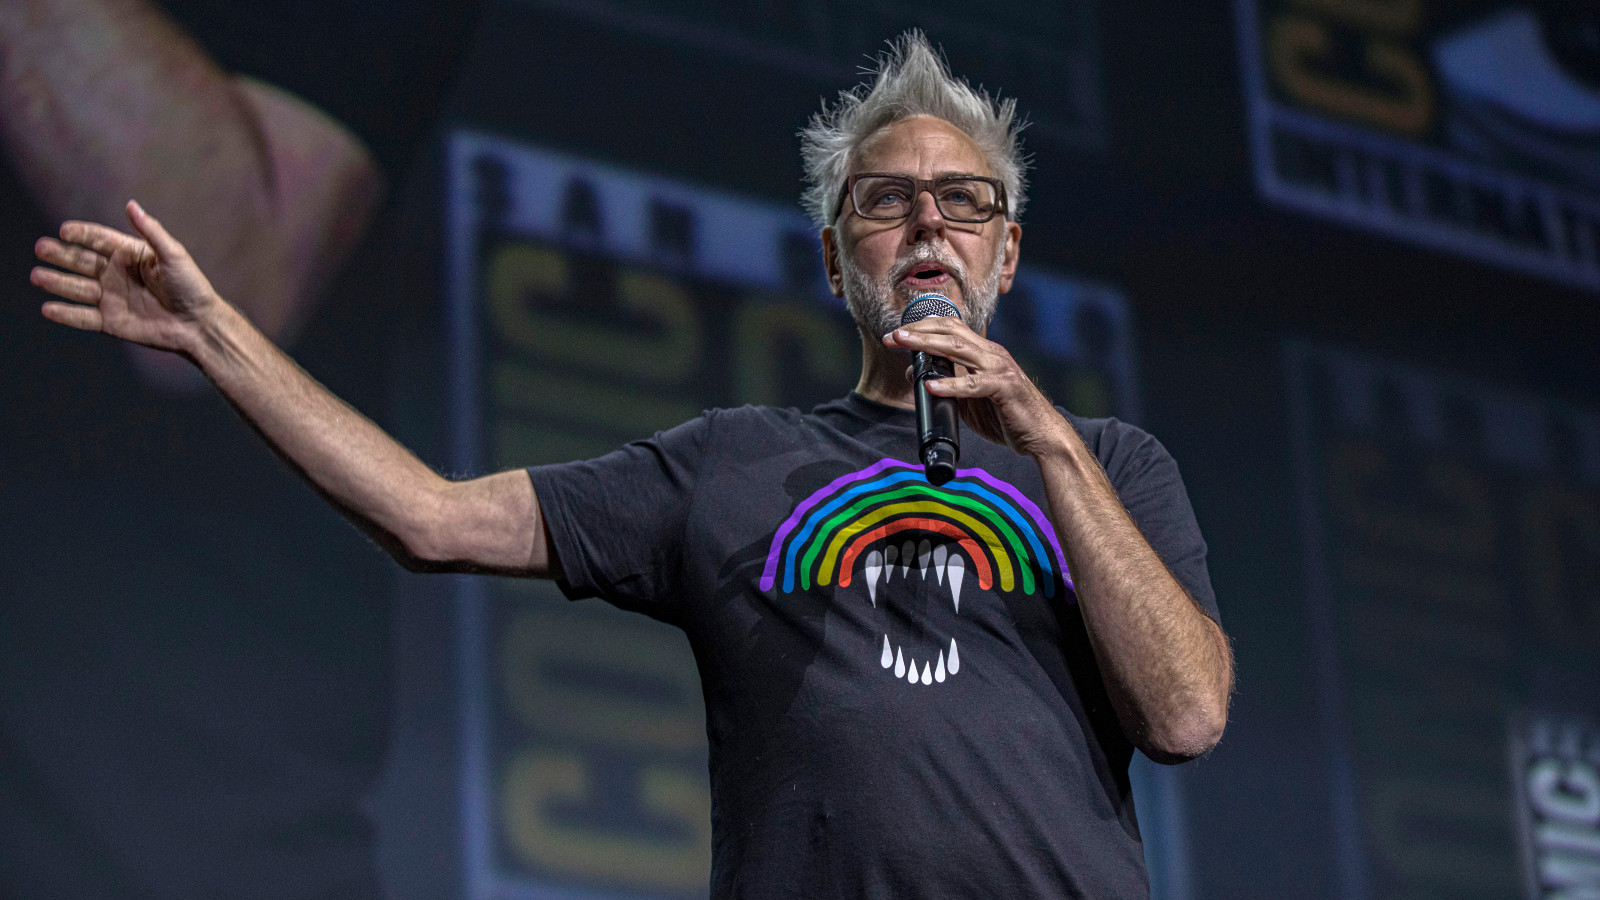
1019, 551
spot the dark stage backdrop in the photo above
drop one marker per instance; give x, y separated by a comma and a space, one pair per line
1341, 256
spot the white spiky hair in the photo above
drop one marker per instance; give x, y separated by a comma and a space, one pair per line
913, 80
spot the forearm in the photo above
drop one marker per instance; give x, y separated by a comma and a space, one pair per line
425, 521
1166, 665
102, 100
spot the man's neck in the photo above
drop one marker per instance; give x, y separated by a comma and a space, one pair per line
883, 374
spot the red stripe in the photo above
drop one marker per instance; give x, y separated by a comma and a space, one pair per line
974, 551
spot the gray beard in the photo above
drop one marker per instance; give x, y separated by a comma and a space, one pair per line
877, 305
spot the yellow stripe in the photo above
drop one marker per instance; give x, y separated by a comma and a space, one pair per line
996, 549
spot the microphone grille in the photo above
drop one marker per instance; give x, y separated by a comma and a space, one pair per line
928, 306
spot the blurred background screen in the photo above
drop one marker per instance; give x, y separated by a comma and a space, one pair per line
1341, 257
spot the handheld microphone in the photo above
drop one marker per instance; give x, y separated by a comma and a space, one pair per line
938, 426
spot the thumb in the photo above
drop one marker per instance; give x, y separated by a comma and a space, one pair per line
165, 245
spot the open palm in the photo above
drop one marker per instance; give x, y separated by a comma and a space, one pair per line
143, 289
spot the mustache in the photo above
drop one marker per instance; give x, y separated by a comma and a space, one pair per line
930, 252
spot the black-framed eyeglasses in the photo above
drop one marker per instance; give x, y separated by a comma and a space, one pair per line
959, 198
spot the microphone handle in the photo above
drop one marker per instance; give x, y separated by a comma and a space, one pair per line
938, 425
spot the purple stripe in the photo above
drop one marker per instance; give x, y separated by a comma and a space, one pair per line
1037, 514
770, 572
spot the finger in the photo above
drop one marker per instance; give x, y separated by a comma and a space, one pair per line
166, 246
940, 325
86, 318
68, 286
970, 385
953, 346
99, 238
72, 257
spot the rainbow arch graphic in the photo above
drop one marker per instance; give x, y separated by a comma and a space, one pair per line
1008, 538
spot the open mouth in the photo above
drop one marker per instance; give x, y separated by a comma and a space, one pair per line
927, 275
915, 588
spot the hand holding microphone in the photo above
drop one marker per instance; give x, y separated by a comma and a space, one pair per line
938, 425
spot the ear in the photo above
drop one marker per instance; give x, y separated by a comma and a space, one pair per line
830, 260
1012, 249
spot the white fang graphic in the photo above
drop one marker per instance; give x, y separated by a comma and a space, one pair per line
873, 569
954, 571
931, 560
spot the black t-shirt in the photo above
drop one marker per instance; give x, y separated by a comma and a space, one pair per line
901, 697
194, 676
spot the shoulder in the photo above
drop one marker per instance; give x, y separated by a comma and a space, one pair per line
1113, 440
1131, 457
746, 435
750, 426
750, 418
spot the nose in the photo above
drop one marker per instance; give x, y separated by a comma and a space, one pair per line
925, 221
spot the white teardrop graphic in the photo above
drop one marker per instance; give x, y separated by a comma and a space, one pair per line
938, 674
890, 554
927, 673
888, 657
907, 551
955, 658
924, 553
939, 553
912, 677
955, 571
899, 662
874, 568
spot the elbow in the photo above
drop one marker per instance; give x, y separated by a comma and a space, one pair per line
483, 526
317, 188
415, 563
421, 540
1187, 737
1193, 725
412, 552
421, 550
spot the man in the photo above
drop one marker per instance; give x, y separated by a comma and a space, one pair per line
911, 690
181, 714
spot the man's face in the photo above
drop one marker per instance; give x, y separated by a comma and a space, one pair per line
879, 266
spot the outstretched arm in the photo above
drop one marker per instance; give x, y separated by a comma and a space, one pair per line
1167, 666
109, 98
150, 292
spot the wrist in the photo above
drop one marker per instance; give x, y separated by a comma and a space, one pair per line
214, 336
1056, 443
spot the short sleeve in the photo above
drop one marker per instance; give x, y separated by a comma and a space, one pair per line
617, 522
1146, 478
